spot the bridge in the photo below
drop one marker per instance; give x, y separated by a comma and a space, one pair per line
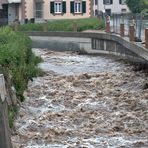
91, 43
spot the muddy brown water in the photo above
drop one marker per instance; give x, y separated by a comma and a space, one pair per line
83, 102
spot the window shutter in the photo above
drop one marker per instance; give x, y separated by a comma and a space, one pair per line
111, 1
64, 7
72, 7
84, 6
51, 7
104, 2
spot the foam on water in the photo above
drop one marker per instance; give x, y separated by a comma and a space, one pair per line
83, 101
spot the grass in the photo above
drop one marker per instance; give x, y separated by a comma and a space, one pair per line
65, 25
17, 63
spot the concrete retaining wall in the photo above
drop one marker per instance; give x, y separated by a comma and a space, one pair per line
60, 43
90, 42
5, 140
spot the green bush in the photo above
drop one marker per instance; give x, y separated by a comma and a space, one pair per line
17, 57
65, 25
17, 61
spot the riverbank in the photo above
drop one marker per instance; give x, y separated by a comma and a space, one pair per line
18, 64
83, 101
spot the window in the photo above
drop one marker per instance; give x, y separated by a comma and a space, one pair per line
58, 7
38, 9
107, 2
77, 6
96, 12
122, 2
123, 10
96, 2
108, 12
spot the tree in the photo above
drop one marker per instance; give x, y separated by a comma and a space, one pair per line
136, 6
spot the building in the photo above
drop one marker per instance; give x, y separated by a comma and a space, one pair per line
57, 9
3, 12
109, 6
2, 2
14, 10
40, 10
10, 10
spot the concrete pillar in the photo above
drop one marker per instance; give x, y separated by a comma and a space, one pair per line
122, 30
146, 38
131, 33
108, 24
45, 26
75, 27
5, 138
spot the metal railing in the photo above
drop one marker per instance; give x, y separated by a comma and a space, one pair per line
139, 21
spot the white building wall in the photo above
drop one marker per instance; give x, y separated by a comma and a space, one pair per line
115, 7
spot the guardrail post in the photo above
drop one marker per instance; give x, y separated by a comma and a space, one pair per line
5, 140
146, 38
122, 30
131, 33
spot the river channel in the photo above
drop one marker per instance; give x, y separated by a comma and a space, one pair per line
83, 102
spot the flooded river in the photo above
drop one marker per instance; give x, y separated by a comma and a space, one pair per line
83, 102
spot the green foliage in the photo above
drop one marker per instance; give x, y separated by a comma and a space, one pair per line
136, 6
17, 61
66, 25
16, 55
91, 23
12, 111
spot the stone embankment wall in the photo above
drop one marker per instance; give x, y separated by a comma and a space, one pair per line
92, 43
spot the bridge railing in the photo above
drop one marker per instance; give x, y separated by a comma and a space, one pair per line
133, 26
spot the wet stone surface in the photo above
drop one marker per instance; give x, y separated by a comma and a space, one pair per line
83, 102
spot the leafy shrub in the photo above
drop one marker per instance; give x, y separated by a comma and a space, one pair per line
18, 61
